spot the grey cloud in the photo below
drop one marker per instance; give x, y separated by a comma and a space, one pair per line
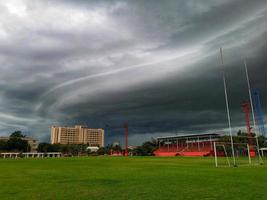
153, 64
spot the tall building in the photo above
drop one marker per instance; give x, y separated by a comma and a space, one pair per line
77, 135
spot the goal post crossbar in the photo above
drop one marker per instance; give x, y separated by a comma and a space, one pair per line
223, 146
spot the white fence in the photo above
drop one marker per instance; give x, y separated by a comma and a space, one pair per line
31, 155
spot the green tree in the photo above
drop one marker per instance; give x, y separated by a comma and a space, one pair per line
262, 141
3, 145
17, 144
102, 151
146, 149
17, 134
65, 149
44, 147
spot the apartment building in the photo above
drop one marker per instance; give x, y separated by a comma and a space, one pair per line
77, 135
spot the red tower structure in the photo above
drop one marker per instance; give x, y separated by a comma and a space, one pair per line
246, 110
126, 132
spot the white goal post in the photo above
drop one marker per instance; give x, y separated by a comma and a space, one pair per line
241, 150
262, 151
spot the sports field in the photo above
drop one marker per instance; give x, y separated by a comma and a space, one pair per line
129, 178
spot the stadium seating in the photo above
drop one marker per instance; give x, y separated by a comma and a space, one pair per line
193, 150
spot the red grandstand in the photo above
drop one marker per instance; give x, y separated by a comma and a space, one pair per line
187, 145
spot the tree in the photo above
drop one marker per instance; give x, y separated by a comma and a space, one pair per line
44, 147
117, 148
71, 149
146, 149
3, 145
113, 149
77, 149
241, 140
102, 151
47, 147
17, 134
65, 149
262, 141
17, 144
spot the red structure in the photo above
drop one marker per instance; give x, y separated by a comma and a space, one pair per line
126, 132
246, 110
115, 153
186, 145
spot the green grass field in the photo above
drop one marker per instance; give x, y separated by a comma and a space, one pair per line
129, 178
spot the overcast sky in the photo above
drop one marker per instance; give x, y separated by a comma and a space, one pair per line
153, 64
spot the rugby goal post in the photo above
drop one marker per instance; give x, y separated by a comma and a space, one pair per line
262, 150
242, 150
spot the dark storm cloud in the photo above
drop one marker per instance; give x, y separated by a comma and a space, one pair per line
153, 64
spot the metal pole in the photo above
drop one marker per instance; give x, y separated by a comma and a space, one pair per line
215, 154
198, 144
249, 158
258, 112
252, 110
249, 92
210, 143
227, 108
226, 156
245, 107
126, 138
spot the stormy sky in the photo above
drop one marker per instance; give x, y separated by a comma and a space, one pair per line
153, 64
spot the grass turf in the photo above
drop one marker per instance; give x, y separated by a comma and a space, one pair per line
129, 178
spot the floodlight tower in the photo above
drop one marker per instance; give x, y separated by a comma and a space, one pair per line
258, 111
126, 132
246, 110
227, 108
252, 110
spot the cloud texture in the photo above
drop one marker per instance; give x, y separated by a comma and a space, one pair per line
153, 64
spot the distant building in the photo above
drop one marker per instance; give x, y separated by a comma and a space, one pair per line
116, 143
92, 149
77, 135
31, 141
187, 145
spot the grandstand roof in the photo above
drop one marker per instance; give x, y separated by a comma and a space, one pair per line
190, 136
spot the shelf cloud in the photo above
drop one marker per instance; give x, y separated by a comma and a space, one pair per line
153, 64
